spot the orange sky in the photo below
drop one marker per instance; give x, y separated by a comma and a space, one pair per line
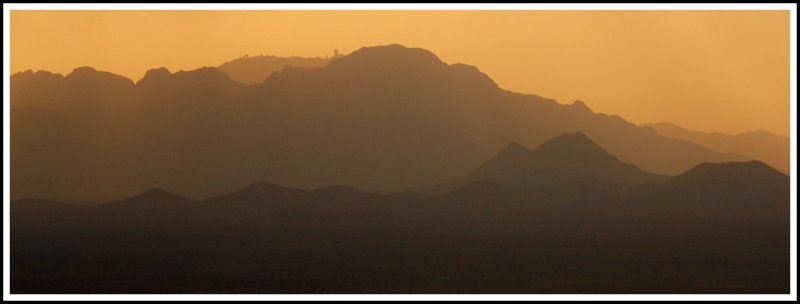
724, 71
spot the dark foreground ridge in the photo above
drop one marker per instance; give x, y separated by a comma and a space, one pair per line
717, 228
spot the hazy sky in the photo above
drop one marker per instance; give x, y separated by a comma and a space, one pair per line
724, 71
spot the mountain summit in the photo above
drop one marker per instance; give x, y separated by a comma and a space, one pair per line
576, 146
752, 173
565, 158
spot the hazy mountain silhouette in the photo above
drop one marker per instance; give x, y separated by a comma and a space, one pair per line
86, 93
561, 159
574, 215
567, 176
156, 200
762, 145
727, 224
752, 173
253, 70
381, 118
748, 194
739, 191
257, 204
58, 156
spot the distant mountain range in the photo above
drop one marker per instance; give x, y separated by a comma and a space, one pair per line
762, 145
567, 175
255, 69
382, 118
382, 171
559, 160
558, 218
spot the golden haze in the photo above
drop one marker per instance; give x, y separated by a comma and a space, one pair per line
724, 71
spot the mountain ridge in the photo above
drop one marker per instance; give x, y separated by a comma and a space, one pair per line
758, 144
403, 121
561, 159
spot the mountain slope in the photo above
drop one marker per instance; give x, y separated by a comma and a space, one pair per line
748, 193
255, 205
562, 159
767, 147
387, 117
574, 231
753, 174
252, 70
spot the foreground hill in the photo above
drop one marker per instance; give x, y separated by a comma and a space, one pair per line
747, 193
695, 233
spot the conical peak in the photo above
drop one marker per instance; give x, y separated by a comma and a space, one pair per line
576, 143
578, 104
576, 138
752, 167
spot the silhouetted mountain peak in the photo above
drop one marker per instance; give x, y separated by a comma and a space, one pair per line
157, 74
565, 158
571, 144
83, 70
513, 149
578, 104
393, 55
569, 148
574, 137
761, 134
92, 76
35, 80
255, 69
30, 73
208, 74
752, 167
155, 78
396, 50
27, 72
753, 173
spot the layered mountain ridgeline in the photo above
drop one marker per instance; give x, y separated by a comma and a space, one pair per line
568, 172
381, 118
708, 192
564, 158
254, 69
762, 145
717, 228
